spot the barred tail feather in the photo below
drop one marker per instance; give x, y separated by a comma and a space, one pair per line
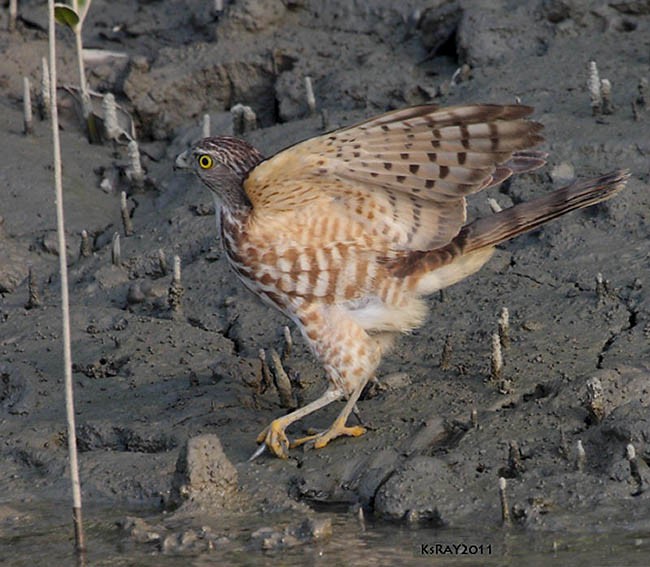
432, 270
524, 217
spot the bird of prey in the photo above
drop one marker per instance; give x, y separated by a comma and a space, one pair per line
345, 233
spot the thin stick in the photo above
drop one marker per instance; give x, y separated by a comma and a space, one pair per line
606, 94
267, 379
45, 90
176, 275
593, 84
116, 250
162, 261
13, 14
595, 400
473, 416
205, 126
243, 119
135, 171
126, 218
86, 248
86, 104
288, 342
80, 62
65, 307
504, 328
28, 123
111, 126
324, 120
175, 292
311, 99
581, 456
361, 519
602, 288
496, 360
282, 382
630, 453
503, 497
34, 297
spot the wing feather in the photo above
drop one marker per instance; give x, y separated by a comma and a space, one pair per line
404, 174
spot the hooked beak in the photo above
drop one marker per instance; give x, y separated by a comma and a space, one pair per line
182, 161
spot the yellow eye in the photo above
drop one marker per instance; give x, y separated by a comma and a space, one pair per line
205, 161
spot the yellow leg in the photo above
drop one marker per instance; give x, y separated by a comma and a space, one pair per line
274, 436
338, 428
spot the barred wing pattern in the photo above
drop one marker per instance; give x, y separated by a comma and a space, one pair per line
403, 175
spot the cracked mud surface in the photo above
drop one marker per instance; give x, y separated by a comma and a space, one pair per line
147, 380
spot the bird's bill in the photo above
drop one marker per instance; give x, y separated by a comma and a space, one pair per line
182, 160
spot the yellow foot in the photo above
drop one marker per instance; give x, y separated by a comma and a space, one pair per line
338, 429
275, 438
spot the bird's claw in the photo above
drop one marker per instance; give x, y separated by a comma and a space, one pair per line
338, 429
257, 452
275, 439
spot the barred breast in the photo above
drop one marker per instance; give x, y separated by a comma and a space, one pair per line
316, 258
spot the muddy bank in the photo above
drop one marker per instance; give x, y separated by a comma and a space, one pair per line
149, 379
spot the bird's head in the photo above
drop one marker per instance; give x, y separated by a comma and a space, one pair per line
222, 163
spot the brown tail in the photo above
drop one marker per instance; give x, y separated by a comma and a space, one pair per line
490, 231
521, 218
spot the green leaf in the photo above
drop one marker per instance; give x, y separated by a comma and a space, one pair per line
65, 15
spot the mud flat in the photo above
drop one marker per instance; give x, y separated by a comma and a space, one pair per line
169, 402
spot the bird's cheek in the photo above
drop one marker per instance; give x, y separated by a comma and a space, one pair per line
209, 181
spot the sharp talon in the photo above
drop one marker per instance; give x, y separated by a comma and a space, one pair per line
257, 453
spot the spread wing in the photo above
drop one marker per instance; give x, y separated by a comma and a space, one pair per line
404, 175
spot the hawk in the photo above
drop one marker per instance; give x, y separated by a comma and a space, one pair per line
345, 233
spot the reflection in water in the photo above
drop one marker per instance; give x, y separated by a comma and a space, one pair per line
31, 535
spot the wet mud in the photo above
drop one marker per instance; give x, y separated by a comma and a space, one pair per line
170, 401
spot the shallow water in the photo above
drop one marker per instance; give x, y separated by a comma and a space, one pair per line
42, 535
